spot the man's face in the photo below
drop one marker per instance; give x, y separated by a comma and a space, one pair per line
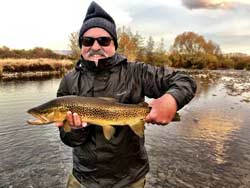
100, 49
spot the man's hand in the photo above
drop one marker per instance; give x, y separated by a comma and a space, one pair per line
73, 120
163, 110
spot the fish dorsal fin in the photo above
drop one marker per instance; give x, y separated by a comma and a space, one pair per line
108, 131
138, 128
108, 99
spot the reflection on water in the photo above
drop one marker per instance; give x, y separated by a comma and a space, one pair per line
30, 156
210, 147
213, 128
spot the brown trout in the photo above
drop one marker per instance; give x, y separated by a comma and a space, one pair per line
105, 112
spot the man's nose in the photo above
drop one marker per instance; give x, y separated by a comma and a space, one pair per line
96, 46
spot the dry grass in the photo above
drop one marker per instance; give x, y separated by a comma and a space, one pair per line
34, 65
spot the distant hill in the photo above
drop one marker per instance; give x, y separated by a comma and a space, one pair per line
62, 52
236, 54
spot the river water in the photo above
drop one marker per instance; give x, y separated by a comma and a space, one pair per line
208, 148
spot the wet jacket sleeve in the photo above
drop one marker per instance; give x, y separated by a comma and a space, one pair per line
77, 136
157, 81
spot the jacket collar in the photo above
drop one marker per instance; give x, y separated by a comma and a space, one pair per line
103, 64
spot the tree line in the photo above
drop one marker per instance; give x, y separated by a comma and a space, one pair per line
34, 53
189, 50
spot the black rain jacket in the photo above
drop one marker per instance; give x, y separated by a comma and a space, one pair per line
97, 162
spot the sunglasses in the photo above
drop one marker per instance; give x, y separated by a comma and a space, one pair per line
102, 41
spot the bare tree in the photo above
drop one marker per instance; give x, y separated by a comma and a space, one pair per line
74, 47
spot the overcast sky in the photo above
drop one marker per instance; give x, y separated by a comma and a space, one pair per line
48, 23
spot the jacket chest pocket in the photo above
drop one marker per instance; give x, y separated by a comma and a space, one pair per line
85, 85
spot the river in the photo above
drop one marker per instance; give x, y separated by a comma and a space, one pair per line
208, 148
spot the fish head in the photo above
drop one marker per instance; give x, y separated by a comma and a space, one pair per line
47, 113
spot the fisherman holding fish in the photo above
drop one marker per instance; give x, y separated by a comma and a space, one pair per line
117, 159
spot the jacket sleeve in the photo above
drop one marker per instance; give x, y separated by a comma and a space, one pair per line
74, 138
157, 81
77, 136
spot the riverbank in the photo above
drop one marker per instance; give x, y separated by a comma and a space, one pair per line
11, 68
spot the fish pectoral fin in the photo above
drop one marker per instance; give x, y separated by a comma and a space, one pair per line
108, 131
35, 122
138, 128
66, 126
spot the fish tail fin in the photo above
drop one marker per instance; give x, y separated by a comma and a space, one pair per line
108, 131
138, 128
177, 117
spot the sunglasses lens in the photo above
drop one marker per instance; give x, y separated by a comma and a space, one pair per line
104, 41
88, 41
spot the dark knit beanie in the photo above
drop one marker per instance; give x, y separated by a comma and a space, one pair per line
97, 17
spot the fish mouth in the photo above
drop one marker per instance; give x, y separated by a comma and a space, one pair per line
41, 120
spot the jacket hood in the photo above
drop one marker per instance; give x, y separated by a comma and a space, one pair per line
103, 64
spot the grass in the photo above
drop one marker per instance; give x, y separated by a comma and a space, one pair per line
31, 68
33, 65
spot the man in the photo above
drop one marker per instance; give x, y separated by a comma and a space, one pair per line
121, 162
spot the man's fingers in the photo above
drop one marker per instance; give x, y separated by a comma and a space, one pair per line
74, 120
151, 116
70, 118
150, 103
84, 124
154, 119
59, 124
148, 118
77, 120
